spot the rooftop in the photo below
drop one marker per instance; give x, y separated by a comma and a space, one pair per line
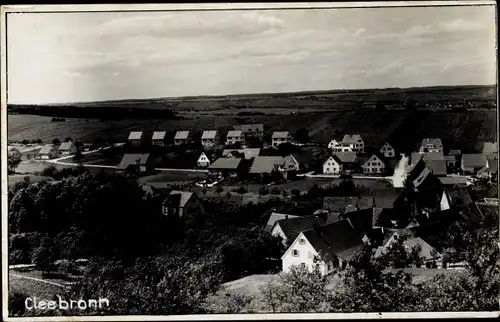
225, 164
234, 133
281, 135
477, 160
274, 217
65, 146
292, 227
265, 164
136, 135
249, 128
210, 134
178, 198
133, 159
181, 135
249, 153
351, 139
346, 157
437, 167
159, 135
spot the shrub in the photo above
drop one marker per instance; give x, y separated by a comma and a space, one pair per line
16, 304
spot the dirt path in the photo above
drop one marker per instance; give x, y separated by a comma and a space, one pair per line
39, 280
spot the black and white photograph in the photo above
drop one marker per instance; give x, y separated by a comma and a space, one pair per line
250, 161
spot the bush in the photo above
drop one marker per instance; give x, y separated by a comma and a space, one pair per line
275, 191
263, 191
16, 304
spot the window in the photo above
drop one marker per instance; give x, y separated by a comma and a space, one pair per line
303, 265
310, 255
295, 253
302, 241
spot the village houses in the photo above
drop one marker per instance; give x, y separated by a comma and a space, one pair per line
472, 163
247, 153
67, 148
333, 144
182, 204
431, 145
158, 138
376, 164
354, 141
182, 137
333, 165
234, 137
210, 138
203, 161
135, 138
281, 137
387, 150
225, 166
290, 163
251, 130
47, 152
136, 162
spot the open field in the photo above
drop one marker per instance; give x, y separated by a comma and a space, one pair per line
406, 129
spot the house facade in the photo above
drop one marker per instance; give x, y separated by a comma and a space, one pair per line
472, 163
431, 145
67, 148
210, 138
354, 141
387, 150
374, 165
47, 152
182, 137
333, 144
135, 138
136, 162
281, 137
158, 138
251, 130
234, 137
332, 165
203, 161
290, 163
182, 204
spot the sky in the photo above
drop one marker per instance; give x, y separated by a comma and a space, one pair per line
84, 57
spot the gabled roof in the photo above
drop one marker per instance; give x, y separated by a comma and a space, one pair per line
133, 159
249, 128
334, 158
178, 198
455, 152
385, 198
159, 135
453, 180
248, 152
346, 157
225, 164
351, 139
338, 238
281, 135
426, 249
181, 135
265, 164
292, 227
136, 135
234, 133
427, 156
274, 217
46, 149
477, 160
210, 134
437, 167
361, 220
65, 146
339, 204
460, 196
490, 147
435, 141
379, 156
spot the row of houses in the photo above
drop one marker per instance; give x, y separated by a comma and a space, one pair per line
331, 236
210, 138
52, 151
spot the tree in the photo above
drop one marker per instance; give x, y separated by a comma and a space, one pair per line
13, 160
25, 142
45, 255
219, 190
410, 105
284, 193
16, 304
275, 191
379, 106
241, 191
68, 139
230, 303
296, 194
56, 141
302, 135
263, 191
78, 156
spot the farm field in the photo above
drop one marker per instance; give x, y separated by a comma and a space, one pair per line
406, 129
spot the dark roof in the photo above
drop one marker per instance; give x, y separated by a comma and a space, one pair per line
346, 157
460, 196
249, 128
385, 198
338, 238
451, 181
180, 197
493, 164
292, 227
339, 204
274, 217
266, 164
361, 220
437, 167
225, 164
133, 159
477, 160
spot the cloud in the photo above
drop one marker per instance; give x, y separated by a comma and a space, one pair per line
462, 24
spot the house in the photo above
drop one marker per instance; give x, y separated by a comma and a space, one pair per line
489, 148
135, 138
225, 166
426, 156
281, 137
149, 191
251, 130
182, 204
274, 217
333, 144
247, 153
290, 163
471, 163
431, 145
210, 138
67, 148
203, 160
354, 141
344, 205
140, 162
47, 152
451, 161
455, 152
490, 170
344, 148
327, 247
348, 159
376, 164
437, 167
333, 165
387, 150
234, 137
158, 138
289, 228
266, 164
182, 137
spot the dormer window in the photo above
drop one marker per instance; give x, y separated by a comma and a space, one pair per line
295, 253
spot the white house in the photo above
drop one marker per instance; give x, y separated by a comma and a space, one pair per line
210, 138
332, 165
355, 141
328, 247
135, 138
375, 164
291, 163
158, 138
203, 160
67, 148
387, 150
431, 145
281, 137
47, 152
333, 144
234, 137
182, 137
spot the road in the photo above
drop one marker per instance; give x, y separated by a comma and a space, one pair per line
40, 280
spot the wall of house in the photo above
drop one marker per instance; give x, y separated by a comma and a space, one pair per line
387, 151
331, 167
192, 207
277, 231
305, 255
